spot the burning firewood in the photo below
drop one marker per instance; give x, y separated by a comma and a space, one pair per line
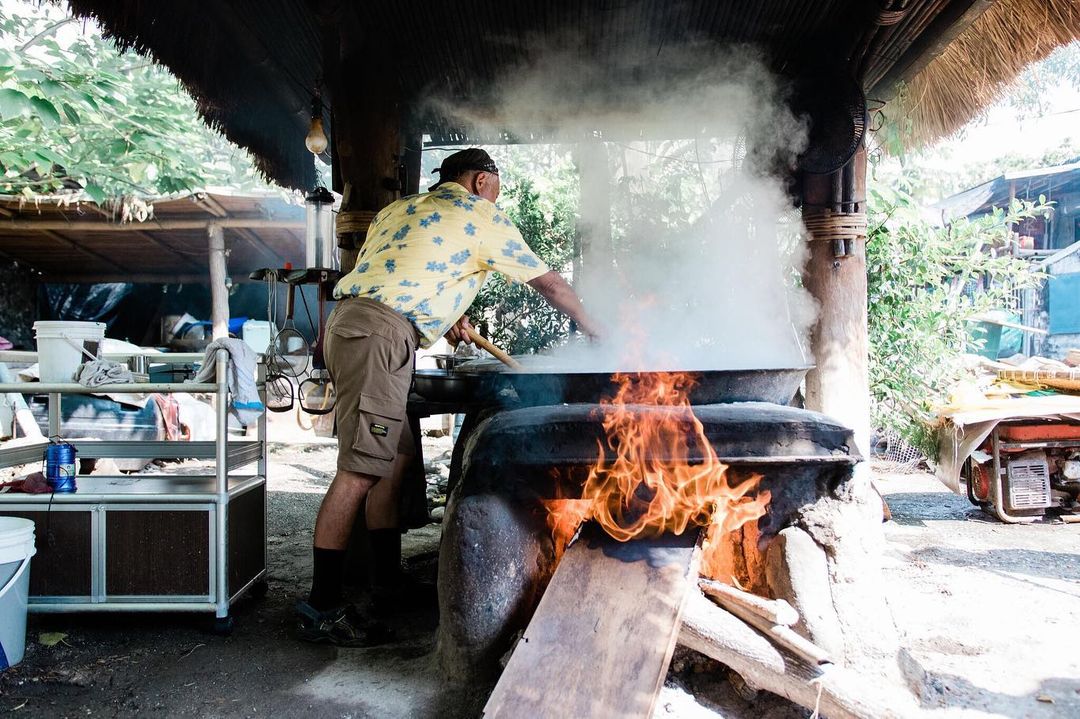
776, 611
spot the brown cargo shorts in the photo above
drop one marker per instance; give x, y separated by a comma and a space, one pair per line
369, 352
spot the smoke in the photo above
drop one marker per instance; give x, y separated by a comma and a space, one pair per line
691, 248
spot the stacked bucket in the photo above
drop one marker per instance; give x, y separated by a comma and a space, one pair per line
16, 549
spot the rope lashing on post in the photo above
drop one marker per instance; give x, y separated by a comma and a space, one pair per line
353, 221
827, 225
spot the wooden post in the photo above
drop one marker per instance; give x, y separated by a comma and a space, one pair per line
839, 384
367, 143
219, 290
593, 257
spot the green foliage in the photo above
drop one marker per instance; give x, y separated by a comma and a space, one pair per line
77, 115
518, 318
924, 286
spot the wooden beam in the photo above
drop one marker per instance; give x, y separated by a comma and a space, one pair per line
259, 244
213, 206
186, 259
71, 244
601, 639
111, 216
202, 278
149, 225
931, 42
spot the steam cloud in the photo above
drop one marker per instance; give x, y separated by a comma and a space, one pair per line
719, 289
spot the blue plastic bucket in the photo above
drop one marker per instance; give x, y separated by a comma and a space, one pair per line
16, 549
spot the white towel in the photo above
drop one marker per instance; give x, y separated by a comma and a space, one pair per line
244, 402
102, 372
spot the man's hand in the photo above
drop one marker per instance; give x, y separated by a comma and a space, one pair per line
458, 332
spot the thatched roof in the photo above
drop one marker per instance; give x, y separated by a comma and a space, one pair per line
976, 69
252, 65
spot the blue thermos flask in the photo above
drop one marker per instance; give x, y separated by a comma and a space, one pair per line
60, 466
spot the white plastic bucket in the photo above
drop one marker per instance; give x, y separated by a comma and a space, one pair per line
16, 549
63, 346
258, 334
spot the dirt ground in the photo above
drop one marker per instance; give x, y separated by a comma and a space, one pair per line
987, 613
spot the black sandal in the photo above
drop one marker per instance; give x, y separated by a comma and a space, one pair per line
341, 626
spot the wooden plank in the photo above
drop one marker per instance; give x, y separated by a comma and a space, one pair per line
601, 639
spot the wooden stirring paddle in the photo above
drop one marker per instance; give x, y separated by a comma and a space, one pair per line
495, 351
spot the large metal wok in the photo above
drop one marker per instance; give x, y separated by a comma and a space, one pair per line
482, 382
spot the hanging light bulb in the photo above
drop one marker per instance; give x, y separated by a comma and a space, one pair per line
316, 141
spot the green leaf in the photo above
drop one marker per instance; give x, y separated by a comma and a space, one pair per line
51, 87
13, 104
71, 114
31, 74
13, 161
50, 156
119, 147
51, 639
95, 192
46, 111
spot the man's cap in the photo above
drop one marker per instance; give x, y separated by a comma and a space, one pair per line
455, 165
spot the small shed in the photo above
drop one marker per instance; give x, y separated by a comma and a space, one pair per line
1059, 184
59, 245
1061, 302
81, 242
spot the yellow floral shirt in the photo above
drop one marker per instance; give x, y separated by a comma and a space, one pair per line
427, 255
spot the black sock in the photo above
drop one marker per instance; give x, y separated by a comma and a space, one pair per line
385, 557
326, 578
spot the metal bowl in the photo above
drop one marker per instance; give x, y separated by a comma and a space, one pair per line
450, 362
441, 385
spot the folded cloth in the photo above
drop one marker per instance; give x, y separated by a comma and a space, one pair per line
244, 402
96, 373
30, 484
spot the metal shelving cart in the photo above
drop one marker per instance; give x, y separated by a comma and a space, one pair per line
149, 542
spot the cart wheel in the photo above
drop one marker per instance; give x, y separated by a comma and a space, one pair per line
259, 589
223, 626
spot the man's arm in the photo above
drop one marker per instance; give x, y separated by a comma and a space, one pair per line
560, 295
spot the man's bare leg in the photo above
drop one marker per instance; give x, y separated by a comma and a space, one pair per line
339, 507
332, 529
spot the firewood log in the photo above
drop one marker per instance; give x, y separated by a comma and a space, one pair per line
832, 690
776, 611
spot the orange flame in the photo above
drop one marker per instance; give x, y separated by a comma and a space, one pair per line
663, 474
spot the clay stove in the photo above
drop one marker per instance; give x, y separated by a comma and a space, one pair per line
498, 551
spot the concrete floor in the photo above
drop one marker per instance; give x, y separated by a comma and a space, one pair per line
987, 613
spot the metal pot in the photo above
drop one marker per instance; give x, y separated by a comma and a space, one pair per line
777, 385
443, 385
